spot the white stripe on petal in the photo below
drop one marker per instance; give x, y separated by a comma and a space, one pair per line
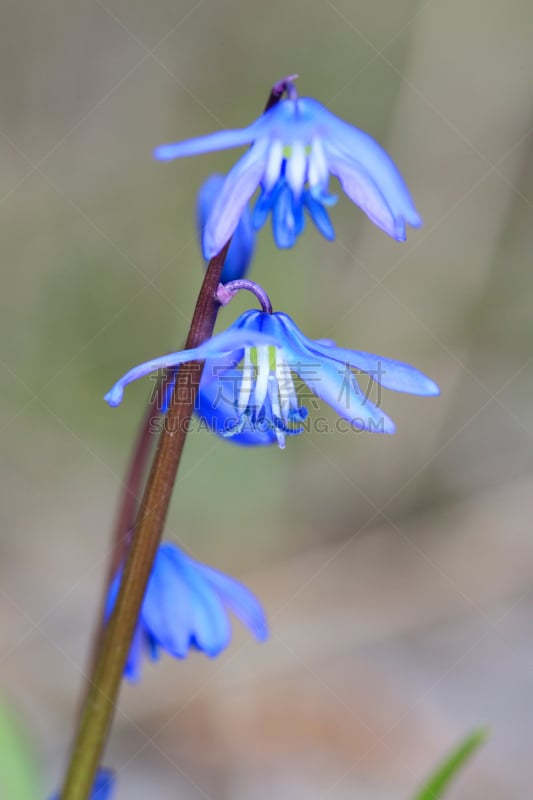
263, 371
318, 166
276, 411
287, 391
273, 166
247, 382
296, 168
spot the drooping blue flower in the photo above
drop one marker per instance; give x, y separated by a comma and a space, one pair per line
242, 245
261, 397
185, 606
298, 143
103, 786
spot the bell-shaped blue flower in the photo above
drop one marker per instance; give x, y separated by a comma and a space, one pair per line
260, 399
185, 606
300, 142
241, 249
103, 786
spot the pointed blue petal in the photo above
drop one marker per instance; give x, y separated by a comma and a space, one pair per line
338, 388
220, 345
264, 204
167, 607
319, 215
221, 140
211, 630
207, 194
239, 599
242, 245
240, 184
298, 214
283, 222
354, 145
365, 193
388, 372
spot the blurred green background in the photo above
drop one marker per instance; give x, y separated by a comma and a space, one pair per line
397, 572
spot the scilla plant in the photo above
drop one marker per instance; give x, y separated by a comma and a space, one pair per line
248, 383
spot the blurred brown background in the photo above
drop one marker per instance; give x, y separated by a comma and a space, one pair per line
397, 571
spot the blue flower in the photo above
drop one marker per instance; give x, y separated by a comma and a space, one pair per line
185, 606
261, 397
103, 786
297, 144
242, 245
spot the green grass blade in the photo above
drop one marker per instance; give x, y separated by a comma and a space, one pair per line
18, 776
439, 781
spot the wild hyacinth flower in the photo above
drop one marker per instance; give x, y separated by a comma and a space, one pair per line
242, 245
103, 786
264, 398
295, 146
185, 606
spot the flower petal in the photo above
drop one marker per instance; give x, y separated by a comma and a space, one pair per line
296, 168
340, 390
221, 140
240, 184
319, 215
364, 192
387, 372
283, 221
273, 164
239, 599
167, 608
355, 145
222, 344
242, 245
263, 206
318, 167
211, 630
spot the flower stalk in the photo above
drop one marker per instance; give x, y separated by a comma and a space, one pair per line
101, 698
97, 714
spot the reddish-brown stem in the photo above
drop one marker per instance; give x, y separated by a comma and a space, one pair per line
98, 710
